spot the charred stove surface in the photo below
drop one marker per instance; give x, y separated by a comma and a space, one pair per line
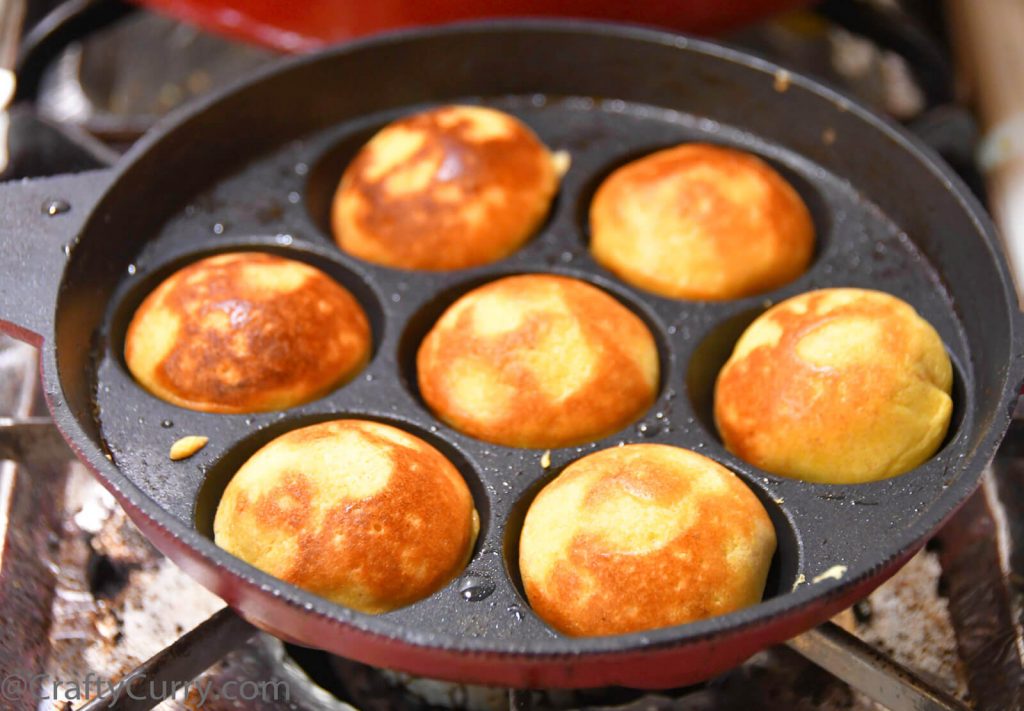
31, 509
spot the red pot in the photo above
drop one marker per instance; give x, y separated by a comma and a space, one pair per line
310, 24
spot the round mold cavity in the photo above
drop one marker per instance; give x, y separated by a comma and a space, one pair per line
707, 360
328, 167
812, 197
326, 171
782, 574
134, 293
221, 472
420, 323
711, 354
962, 404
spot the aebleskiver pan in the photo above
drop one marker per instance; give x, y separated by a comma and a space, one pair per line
254, 167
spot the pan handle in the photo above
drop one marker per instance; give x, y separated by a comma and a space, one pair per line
40, 220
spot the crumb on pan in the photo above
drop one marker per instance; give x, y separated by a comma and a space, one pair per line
561, 161
187, 446
836, 572
800, 580
781, 80
545, 459
828, 136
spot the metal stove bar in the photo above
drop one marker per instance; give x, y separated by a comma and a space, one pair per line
982, 551
172, 668
32, 441
870, 671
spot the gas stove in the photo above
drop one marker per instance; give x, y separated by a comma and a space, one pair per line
94, 617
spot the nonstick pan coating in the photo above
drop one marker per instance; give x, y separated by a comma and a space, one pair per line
256, 167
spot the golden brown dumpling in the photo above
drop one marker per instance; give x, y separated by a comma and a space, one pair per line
246, 332
359, 512
701, 222
448, 188
538, 360
838, 386
643, 536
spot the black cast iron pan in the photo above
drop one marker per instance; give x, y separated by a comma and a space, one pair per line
254, 168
